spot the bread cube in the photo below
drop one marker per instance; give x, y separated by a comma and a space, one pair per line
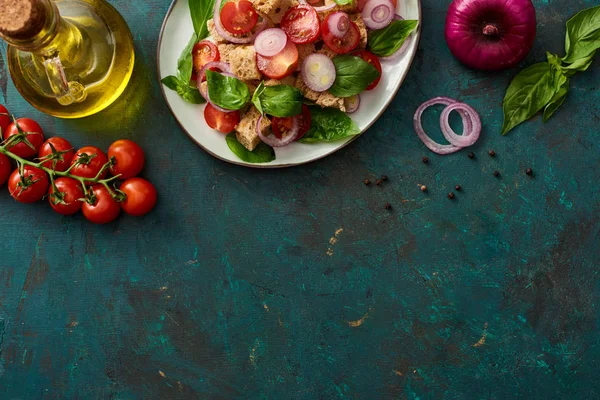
210, 25
243, 62
308, 93
246, 130
274, 10
304, 50
288, 80
326, 99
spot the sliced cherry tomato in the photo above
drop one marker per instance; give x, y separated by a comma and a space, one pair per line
129, 158
281, 65
203, 53
30, 131
302, 24
5, 169
92, 161
280, 126
239, 18
104, 209
374, 61
30, 187
221, 121
66, 199
64, 150
141, 196
341, 45
4, 119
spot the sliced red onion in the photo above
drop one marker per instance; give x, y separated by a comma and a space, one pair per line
225, 70
378, 14
260, 26
352, 103
270, 42
322, 8
273, 140
471, 125
338, 24
402, 48
318, 72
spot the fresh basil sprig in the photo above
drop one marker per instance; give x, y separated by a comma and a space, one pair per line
187, 92
328, 125
353, 75
546, 85
227, 92
278, 100
343, 2
385, 42
261, 153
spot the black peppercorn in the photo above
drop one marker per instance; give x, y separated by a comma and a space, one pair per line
471, 155
388, 206
425, 160
423, 188
529, 171
496, 173
457, 187
492, 153
451, 195
367, 182
384, 177
378, 182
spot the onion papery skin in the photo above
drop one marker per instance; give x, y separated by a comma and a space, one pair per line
490, 35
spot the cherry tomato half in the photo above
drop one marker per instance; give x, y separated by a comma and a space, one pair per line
4, 119
129, 158
341, 45
67, 200
31, 188
374, 61
302, 24
60, 145
221, 121
93, 158
33, 134
141, 196
280, 126
239, 18
5, 169
104, 210
203, 53
280, 65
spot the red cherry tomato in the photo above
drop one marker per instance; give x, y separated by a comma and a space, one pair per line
104, 210
5, 169
341, 45
34, 135
129, 158
374, 61
238, 18
221, 121
29, 188
4, 119
203, 53
279, 126
141, 196
66, 200
280, 65
95, 159
302, 24
60, 164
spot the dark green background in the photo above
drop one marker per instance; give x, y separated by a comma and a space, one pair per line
226, 290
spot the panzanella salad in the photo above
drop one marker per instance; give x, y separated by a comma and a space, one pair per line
273, 72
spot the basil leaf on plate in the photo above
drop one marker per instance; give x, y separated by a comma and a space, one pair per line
343, 2
201, 11
187, 92
278, 100
385, 42
172, 82
328, 125
583, 34
184, 62
527, 94
227, 92
261, 154
353, 75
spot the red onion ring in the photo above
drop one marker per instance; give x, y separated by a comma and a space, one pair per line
270, 42
378, 14
314, 79
402, 48
322, 8
471, 122
273, 140
352, 103
338, 24
228, 36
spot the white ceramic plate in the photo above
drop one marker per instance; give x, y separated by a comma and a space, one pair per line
176, 31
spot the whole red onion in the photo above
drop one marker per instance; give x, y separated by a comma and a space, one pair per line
490, 34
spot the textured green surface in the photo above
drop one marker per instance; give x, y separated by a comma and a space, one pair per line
233, 287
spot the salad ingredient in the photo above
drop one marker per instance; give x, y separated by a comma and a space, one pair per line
58, 152
583, 35
367, 182
226, 92
224, 122
280, 65
353, 75
235, 38
278, 100
28, 184
261, 153
319, 9
388, 42
492, 153
352, 103
387, 206
490, 34
282, 126
5, 169
496, 173
301, 24
141, 196
128, 158
342, 45
374, 61
238, 17
458, 188
425, 159
4, 119
187, 92
471, 122
377, 14
451, 195
204, 52
89, 162
65, 196
328, 125
318, 72
338, 24
215, 66
270, 42
471, 155
24, 137
102, 208
283, 138
529, 171
423, 188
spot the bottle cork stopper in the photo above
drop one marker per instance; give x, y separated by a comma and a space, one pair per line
21, 19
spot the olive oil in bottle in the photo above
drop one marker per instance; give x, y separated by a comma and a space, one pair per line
68, 58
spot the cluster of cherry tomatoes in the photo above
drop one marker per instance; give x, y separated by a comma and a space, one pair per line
73, 180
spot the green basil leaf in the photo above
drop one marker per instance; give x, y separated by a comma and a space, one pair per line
343, 2
278, 100
385, 42
580, 65
261, 154
328, 125
583, 34
227, 92
184, 63
527, 94
562, 83
192, 95
353, 75
172, 82
201, 11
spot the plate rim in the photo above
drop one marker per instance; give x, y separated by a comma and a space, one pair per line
266, 166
